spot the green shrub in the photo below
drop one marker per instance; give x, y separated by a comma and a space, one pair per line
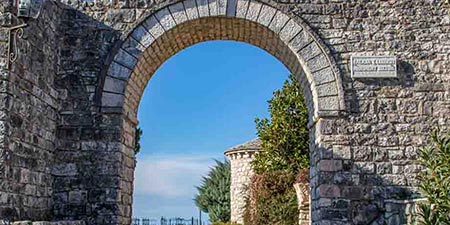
214, 193
435, 181
272, 199
285, 144
137, 139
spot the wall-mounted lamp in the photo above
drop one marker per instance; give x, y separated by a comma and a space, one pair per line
24, 9
29, 8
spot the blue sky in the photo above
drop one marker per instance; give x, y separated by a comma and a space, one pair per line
199, 103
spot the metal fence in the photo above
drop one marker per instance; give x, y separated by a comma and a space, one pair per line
167, 221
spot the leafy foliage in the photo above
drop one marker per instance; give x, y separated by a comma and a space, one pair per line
272, 199
137, 140
285, 143
284, 137
214, 193
435, 181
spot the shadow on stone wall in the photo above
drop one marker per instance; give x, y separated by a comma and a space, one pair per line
84, 177
370, 192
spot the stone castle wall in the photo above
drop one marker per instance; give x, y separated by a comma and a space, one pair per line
48, 113
64, 155
29, 112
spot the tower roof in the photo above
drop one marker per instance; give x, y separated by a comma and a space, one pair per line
252, 145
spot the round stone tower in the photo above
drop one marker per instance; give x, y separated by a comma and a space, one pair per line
240, 157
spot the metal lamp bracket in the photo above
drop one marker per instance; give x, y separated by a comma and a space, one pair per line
14, 33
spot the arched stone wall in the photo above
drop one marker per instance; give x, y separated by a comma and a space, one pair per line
66, 125
174, 27
177, 26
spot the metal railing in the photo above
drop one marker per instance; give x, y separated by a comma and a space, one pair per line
167, 221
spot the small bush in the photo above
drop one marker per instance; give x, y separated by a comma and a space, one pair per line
435, 181
272, 199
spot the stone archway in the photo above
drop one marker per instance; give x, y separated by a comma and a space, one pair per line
172, 28
175, 27
69, 100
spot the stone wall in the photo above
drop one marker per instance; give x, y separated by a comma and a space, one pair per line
62, 149
67, 222
29, 106
4, 23
50, 113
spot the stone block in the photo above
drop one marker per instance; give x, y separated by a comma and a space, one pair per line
22, 223
112, 100
384, 168
191, 9
266, 15
396, 154
77, 197
221, 7
118, 71
278, 22
342, 152
178, 13
317, 63
154, 27
329, 191
394, 179
301, 40
141, 35
379, 154
126, 59
330, 165
357, 192
289, 31
364, 167
339, 23
202, 6
310, 51
241, 8
324, 202
114, 85
165, 19
344, 178
328, 103
66, 169
231, 8
213, 7
253, 11
42, 223
328, 89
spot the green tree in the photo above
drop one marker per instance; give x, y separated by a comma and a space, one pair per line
137, 140
285, 136
435, 181
285, 144
214, 194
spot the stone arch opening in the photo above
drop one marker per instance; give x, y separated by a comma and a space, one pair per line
172, 28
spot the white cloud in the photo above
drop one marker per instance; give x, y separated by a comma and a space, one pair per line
171, 175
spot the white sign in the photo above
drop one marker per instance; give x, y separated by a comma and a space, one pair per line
374, 66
